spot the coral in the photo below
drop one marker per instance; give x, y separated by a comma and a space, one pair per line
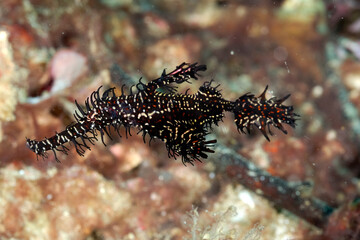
282, 193
219, 229
7, 70
57, 204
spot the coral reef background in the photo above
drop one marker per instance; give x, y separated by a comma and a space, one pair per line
53, 52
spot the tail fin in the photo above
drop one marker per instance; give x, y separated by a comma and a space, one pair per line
261, 112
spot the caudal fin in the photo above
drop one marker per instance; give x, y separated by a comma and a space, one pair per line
261, 112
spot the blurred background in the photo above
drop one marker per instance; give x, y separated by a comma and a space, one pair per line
53, 52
